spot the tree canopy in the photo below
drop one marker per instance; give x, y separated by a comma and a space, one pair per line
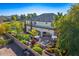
68, 31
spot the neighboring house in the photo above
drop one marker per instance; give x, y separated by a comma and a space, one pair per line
42, 23
5, 18
43, 20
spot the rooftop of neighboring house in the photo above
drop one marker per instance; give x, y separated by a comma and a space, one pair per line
46, 17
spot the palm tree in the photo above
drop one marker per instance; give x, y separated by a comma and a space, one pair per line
28, 17
58, 16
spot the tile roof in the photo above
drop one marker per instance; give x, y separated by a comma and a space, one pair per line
46, 17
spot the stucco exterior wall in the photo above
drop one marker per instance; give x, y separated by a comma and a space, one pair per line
42, 24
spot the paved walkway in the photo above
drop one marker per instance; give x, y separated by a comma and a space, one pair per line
11, 50
7, 52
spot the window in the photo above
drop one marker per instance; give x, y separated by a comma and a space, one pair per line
34, 22
46, 22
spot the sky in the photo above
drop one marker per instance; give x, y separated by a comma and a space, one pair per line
7, 9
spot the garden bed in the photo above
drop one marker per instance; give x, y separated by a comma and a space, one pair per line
27, 50
23, 46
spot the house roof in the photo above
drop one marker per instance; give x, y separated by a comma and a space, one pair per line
46, 17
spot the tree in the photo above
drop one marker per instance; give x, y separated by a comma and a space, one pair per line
32, 15
18, 26
2, 29
33, 32
68, 31
28, 17
7, 26
23, 17
14, 17
56, 18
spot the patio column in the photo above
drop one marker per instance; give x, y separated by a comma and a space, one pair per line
41, 34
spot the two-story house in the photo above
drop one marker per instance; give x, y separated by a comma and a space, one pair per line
43, 20
42, 23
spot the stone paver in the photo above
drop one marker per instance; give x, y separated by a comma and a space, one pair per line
11, 50
7, 52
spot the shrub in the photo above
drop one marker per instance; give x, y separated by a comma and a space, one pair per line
34, 32
19, 36
23, 41
3, 42
2, 29
37, 45
54, 50
23, 36
38, 49
26, 36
